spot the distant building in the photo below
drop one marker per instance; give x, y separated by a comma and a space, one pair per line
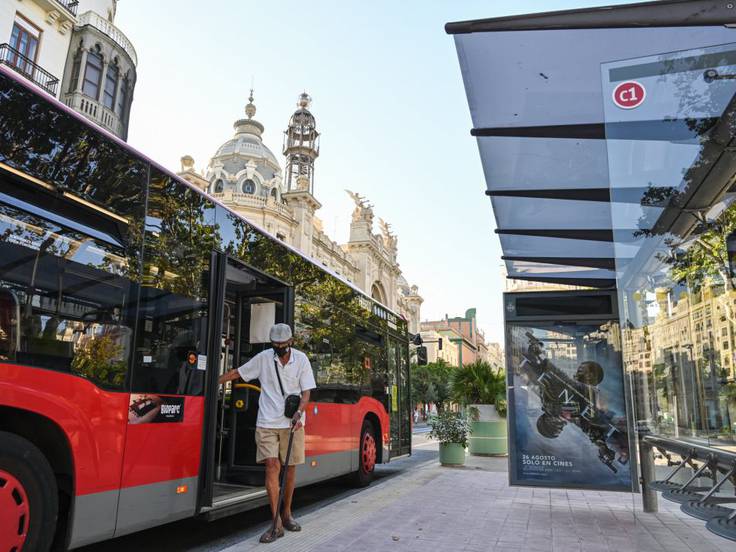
496, 357
73, 51
512, 284
450, 351
468, 338
245, 175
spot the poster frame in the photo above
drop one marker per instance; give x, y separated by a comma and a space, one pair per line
511, 319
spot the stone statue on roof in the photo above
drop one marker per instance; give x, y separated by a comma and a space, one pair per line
363, 209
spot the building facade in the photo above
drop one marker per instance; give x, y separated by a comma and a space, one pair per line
246, 176
450, 352
72, 50
466, 336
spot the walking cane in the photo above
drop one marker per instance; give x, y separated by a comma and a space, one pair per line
283, 481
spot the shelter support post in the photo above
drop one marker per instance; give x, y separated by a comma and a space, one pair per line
648, 474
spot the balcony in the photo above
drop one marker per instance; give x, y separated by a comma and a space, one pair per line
104, 26
69, 5
238, 199
60, 12
96, 112
26, 67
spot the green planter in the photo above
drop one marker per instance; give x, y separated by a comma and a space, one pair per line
489, 433
452, 454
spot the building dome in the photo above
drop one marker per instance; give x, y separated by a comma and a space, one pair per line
244, 164
246, 145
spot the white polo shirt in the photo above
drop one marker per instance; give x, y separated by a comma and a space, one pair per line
296, 377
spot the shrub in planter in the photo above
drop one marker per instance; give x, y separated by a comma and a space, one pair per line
451, 430
482, 390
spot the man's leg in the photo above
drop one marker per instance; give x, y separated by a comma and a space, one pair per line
289, 491
273, 467
267, 442
297, 457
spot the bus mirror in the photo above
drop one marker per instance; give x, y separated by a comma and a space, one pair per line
422, 356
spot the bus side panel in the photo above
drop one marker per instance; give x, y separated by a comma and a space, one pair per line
329, 443
160, 471
94, 422
333, 435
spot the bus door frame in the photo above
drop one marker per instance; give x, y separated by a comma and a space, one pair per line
218, 282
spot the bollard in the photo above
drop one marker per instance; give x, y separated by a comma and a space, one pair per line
648, 474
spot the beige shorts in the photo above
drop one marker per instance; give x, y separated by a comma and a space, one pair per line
272, 443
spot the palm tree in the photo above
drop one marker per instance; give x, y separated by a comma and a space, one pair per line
478, 383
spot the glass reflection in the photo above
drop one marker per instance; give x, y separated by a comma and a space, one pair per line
181, 234
68, 282
677, 291
333, 324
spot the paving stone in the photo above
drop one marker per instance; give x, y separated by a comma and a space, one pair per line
473, 510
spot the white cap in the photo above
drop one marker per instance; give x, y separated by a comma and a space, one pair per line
280, 333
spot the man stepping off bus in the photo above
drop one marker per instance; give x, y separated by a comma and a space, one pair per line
282, 371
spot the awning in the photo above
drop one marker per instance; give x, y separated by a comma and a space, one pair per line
588, 181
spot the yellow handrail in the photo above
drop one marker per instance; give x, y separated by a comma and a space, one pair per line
248, 386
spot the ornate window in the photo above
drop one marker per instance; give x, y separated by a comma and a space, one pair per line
249, 187
274, 193
93, 74
76, 66
122, 98
377, 293
111, 85
218, 186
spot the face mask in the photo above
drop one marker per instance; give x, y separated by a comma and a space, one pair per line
280, 351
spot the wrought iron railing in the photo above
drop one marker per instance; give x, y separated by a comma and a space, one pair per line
70, 5
25, 66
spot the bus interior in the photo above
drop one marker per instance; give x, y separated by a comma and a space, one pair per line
252, 303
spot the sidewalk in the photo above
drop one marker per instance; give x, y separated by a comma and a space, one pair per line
473, 509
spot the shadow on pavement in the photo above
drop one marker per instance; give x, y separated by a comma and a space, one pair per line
201, 536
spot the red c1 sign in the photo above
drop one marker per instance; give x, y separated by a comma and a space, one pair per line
629, 95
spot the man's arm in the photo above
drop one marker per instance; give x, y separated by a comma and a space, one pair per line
297, 419
230, 375
248, 371
307, 383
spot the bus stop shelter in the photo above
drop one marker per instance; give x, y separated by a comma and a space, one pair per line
607, 142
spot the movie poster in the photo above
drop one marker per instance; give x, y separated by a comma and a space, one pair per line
567, 409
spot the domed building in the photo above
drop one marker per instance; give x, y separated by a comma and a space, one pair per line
245, 175
244, 164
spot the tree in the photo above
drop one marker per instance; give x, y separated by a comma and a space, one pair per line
430, 383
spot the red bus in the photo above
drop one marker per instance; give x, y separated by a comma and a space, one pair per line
124, 293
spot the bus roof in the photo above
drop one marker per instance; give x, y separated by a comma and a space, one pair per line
95, 128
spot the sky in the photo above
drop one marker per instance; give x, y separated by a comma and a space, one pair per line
389, 101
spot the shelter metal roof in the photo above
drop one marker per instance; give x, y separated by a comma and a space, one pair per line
579, 185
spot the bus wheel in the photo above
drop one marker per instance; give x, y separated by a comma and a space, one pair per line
366, 455
28, 496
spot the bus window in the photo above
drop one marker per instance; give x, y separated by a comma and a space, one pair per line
65, 293
9, 324
179, 239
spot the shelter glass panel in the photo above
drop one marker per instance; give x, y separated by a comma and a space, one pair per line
667, 156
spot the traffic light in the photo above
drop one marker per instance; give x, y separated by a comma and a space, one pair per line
439, 343
422, 356
416, 339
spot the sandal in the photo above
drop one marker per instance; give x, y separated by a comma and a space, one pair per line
270, 536
291, 525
